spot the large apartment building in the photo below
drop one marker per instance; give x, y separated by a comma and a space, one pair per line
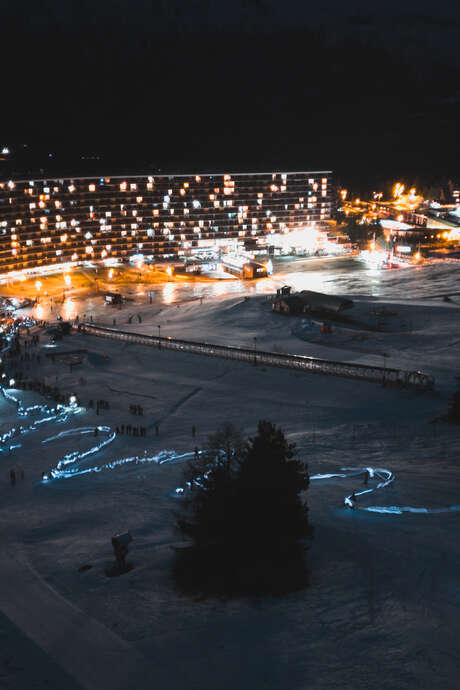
59, 220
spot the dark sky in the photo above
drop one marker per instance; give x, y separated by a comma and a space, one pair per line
242, 84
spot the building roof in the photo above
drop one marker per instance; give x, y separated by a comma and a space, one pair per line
319, 300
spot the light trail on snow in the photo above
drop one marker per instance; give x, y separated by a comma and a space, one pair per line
386, 477
60, 414
74, 458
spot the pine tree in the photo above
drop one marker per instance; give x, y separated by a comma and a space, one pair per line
244, 516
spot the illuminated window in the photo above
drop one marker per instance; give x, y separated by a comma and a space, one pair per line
92, 187
123, 186
133, 186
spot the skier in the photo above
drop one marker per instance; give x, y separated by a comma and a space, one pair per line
353, 499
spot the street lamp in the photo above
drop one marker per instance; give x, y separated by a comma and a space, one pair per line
255, 351
159, 336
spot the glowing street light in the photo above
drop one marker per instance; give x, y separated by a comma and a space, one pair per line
67, 279
12, 382
38, 285
72, 400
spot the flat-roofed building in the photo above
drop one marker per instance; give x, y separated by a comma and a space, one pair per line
60, 220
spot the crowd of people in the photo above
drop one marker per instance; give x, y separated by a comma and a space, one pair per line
131, 430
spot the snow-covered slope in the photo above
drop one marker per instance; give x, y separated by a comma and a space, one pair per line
382, 608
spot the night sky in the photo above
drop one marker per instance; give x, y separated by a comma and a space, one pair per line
248, 84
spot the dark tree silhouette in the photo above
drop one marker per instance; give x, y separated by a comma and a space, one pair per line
245, 517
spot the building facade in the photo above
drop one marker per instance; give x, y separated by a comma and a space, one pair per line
51, 221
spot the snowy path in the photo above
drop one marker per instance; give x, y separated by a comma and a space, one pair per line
86, 649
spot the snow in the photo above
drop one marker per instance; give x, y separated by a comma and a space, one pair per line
382, 608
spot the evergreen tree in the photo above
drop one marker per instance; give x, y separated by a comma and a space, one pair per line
245, 516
